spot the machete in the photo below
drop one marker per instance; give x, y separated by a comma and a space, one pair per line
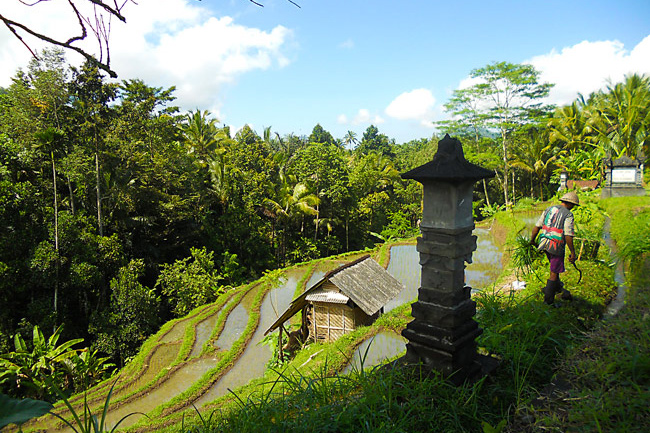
579, 271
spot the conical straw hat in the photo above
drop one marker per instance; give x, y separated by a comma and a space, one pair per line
571, 197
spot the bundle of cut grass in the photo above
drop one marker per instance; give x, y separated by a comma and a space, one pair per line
524, 255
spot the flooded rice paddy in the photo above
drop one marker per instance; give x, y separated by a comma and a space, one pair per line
619, 274
233, 329
403, 265
208, 349
375, 350
252, 363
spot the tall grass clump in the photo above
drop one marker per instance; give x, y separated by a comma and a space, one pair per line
636, 234
87, 422
387, 399
526, 337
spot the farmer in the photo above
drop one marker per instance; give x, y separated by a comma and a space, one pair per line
556, 227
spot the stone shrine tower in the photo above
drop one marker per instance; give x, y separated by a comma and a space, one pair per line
443, 332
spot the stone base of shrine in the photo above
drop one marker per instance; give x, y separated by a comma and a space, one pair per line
458, 366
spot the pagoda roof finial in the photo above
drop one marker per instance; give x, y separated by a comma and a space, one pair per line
449, 164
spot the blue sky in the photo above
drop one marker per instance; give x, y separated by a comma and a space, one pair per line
348, 64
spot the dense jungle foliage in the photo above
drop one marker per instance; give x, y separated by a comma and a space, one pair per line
118, 212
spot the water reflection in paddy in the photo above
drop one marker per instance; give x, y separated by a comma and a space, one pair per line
529, 218
486, 261
176, 333
373, 351
180, 380
315, 277
177, 383
203, 331
404, 265
233, 328
619, 273
252, 363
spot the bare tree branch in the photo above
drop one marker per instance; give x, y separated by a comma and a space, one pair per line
99, 23
261, 5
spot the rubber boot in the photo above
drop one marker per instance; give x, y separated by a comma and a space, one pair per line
566, 295
549, 291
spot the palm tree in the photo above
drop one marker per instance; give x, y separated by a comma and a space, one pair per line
201, 134
350, 139
218, 176
536, 156
622, 115
209, 144
292, 201
570, 126
375, 172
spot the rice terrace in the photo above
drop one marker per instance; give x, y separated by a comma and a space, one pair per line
304, 216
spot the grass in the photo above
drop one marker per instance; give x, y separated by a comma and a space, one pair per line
87, 422
530, 339
608, 372
605, 364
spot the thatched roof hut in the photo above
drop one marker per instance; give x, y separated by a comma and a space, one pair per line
349, 296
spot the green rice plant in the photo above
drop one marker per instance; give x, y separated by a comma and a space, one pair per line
487, 427
526, 203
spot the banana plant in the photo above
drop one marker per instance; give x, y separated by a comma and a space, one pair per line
19, 411
28, 369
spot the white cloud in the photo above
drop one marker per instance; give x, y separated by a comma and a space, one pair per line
49, 18
586, 67
468, 82
363, 117
177, 42
172, 44
417, 105
348, 44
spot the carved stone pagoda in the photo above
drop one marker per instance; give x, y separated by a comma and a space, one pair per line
443, 334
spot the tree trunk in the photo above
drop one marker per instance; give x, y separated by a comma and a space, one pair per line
478, 150
347, 228
505, 182
487, 197
72, 208
56, 243
100, 222
496, 174
505, 166
317, 221
513, 188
